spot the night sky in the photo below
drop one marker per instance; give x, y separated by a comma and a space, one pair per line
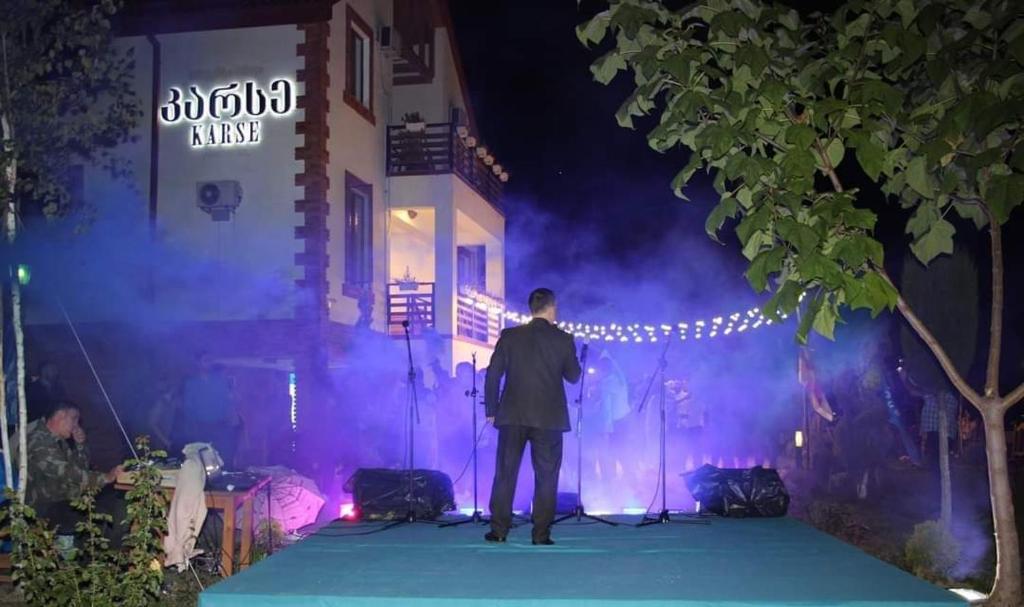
603, 193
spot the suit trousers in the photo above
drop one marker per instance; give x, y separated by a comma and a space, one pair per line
546, 453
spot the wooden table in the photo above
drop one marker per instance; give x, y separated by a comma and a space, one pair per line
229, 502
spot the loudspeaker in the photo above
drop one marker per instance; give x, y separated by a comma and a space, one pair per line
380, 493
738, 492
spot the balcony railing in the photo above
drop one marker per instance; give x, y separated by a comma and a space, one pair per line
413, 302
480, 318
438, 150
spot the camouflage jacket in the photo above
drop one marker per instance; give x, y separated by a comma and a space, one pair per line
56, 472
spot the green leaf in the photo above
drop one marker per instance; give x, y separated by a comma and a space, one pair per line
727, 207
593, 31
974, 212
923, 219
907, 10
878, 293
605, 68
1003, 193
807, 319
753, 57
753, 222
791, 20
764, 265
784, 301
801, 135
825, 320
871, 156
936, 241
803, 237
858, 26
683, 176
835, 152
757, 243
978, 18
855, 250
1016, 49
918, 178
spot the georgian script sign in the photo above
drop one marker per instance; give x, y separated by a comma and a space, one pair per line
229, 114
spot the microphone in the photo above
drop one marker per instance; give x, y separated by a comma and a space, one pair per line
405, 324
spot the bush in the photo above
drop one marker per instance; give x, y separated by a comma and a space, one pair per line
932, 552
96, 575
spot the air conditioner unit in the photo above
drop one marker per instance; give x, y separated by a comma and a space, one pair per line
390, 42
219, 199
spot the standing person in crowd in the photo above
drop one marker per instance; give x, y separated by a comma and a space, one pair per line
688, 424
208, 411
163, 414
43, 391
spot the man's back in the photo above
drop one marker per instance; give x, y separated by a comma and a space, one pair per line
535, 360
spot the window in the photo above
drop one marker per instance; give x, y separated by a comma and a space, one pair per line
359, 65
358, 234
472, 267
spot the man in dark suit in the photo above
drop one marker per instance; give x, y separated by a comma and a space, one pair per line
534, 359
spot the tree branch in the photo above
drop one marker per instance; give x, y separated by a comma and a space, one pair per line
1014, 397
995, 336
933, 344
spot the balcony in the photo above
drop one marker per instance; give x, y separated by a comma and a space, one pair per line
413, 302
438, 150
480, 318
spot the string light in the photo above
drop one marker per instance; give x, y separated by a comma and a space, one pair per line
719, 325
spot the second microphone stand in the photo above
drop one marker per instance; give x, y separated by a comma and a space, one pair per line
477, 516
663, 516
578, 512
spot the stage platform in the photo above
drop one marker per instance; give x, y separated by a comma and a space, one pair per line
746, 562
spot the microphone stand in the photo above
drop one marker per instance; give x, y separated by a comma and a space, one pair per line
578, 512
413, 419
477, 516
663, 516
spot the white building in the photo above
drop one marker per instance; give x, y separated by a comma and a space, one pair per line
274, 143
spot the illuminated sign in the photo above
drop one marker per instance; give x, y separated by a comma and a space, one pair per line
229, 114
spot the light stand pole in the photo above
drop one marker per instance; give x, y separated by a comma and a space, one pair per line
477, 516
578, 512
663, 516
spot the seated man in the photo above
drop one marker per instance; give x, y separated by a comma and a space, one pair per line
59, 473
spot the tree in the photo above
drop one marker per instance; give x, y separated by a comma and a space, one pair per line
922, 96
66, 97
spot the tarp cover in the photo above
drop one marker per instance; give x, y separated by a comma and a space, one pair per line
380, 493
738, 492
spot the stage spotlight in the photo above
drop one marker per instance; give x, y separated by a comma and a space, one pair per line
348, 512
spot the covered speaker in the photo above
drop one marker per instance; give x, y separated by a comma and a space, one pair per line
738, 492
380, 493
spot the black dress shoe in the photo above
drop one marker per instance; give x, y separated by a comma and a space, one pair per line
494, 537
544, 542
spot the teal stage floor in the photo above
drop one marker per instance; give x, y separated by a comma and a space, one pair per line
729, 563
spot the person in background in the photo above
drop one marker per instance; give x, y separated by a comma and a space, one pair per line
43, 391
59, 473
208, 411
163, 414
690, 417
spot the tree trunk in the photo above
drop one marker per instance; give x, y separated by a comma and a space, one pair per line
11, 171
19, 352
946, 516
1006, 591
5, 439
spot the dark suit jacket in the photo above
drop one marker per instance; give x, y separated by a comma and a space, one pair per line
534, 359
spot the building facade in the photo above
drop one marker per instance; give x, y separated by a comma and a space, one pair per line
315, 168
